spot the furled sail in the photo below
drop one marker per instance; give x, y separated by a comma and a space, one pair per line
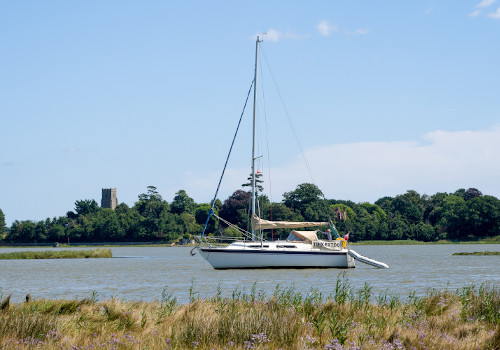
258, 223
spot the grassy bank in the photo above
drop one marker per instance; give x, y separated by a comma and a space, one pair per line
478, 253
489, 240
59, 254
345, 319
393, 242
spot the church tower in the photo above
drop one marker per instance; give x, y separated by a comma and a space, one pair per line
109, 199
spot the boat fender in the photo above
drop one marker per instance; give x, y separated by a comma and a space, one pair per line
344, 242
191, 252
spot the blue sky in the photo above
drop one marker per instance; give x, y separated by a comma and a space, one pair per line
384, 96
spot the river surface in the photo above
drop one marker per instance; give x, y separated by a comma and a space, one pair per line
141, 273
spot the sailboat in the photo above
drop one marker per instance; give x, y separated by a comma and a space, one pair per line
301, 249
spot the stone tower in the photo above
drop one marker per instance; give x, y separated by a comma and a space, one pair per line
109, 199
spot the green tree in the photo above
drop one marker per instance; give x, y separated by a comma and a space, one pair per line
232, 232
151, 194
190, 224
409, 206
460, 193
433, 208
41, 231
131, 222
83, 229
236, 208
259, 188
304, 196
3, 226
397, 227
86, 206
385, 203
14, 233
452, 217
182, 203
174, 227
22, 231
483, 216
151, 204
107, 226
56, 233
122, 208
424, 232
154, 210
201, 215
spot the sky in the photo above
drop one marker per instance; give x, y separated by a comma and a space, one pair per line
364, 99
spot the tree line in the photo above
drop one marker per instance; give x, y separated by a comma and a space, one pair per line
461, 215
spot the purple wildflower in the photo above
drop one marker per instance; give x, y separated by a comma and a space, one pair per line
128, 337
259, 338
335, 345
309, 339
398, 344
354, 346
442, 301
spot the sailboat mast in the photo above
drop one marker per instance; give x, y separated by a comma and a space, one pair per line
253, 136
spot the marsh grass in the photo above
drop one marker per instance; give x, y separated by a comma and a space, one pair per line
478, 253
287, 319
59, 254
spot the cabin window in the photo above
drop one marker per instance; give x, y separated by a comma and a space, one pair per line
287, 246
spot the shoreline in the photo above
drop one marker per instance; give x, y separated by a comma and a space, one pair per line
492, 240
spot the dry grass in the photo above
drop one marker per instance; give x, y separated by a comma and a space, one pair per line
346, 319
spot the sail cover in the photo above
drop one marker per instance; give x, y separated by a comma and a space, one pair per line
258, 223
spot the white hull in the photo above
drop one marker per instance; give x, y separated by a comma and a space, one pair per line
224, 258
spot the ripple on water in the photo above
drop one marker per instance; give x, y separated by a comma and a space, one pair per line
142, 273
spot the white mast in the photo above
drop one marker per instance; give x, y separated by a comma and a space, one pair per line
253, 136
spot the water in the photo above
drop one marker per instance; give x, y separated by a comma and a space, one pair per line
141, 273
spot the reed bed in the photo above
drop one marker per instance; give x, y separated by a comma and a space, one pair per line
468, 318
478, 253
59, 254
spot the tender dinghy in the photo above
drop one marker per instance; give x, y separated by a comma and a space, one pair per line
366, 260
